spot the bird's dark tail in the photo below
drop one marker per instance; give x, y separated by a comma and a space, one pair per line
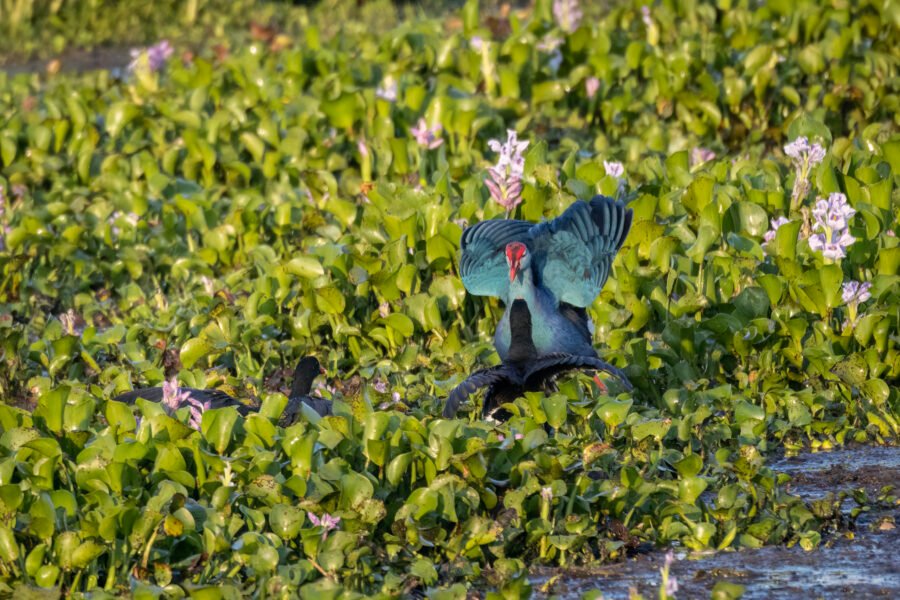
551, 364
475, 381
151, 394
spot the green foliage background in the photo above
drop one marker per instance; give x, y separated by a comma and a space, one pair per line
280, 207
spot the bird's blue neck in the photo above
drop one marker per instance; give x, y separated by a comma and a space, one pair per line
522, 286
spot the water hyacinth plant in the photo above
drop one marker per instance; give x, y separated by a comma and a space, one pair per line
504, 179
832, 222
266, 205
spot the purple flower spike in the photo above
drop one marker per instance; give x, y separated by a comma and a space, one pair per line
173, 397
856, 292
805, 156
832, 221
505, 178
197, 409
157, 56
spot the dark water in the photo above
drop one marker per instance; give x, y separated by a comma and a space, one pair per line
864, 563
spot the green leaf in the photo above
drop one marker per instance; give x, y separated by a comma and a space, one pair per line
307, 267
219, 427
556, 408
330, 300
613, 412
193, 350
286, 521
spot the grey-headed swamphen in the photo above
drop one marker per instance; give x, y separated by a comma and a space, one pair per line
558, 267
523, 370
304, 375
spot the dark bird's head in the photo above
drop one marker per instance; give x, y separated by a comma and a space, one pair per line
306, 372
518, 258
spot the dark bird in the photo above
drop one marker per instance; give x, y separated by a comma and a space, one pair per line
307, 370
557, 267
524, 370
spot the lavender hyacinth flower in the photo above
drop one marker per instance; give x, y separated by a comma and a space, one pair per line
504, 180
387, 90
197, 409
805, 156
567, 14
326, 522
776, 223
700, 155
156, 55
427, 137
614, 168
669, 583
834, 213
645, 16
854, 293
832, 220
591, 85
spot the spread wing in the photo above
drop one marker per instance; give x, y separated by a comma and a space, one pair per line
475, 382
482, 266
216, 398
574, 253
553, 364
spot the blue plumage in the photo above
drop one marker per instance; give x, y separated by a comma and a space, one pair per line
558, 267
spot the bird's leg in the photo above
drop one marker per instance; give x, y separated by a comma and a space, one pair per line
600, 385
